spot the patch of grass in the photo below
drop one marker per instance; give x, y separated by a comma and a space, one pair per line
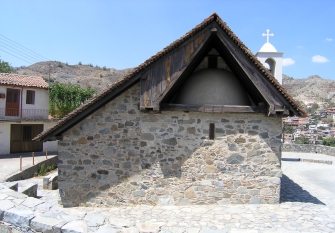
42, 170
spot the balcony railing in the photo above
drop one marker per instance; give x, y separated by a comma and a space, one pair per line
30, 114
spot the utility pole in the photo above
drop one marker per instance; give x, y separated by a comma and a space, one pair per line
49, 80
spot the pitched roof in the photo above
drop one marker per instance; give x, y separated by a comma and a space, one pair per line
23, 80
91, 105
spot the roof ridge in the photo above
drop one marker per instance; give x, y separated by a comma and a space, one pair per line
23, 80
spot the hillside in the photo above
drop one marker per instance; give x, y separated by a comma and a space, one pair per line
307, 90
311, 89
85, 75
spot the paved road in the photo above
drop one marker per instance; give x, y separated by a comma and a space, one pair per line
307, 205
315, 179
10, 164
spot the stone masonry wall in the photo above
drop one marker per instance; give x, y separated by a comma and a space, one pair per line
121, 156
309, 148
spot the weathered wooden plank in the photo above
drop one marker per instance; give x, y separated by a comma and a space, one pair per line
213, 108
160, 76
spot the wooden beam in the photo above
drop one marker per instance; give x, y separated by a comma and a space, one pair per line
213, 108
54, 138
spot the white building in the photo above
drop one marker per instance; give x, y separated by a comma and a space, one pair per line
24, 110
271, 59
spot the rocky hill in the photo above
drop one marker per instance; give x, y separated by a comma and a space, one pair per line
311, 89
98, 78
308, 90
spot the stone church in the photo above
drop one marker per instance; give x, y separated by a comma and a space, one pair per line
200, 122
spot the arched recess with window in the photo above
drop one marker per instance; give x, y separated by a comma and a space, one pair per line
272, 65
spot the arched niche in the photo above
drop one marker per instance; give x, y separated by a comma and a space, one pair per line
271, 65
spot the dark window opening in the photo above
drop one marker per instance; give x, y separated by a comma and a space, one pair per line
211, 131
30, 97
212, 62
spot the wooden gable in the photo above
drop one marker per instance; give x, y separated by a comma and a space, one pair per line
161, 80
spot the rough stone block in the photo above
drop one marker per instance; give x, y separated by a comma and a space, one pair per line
12, 193
76, 226
166, 200
29, 189
146, 227
94, 219
107, 229
9, 185
5, 205
32, 202
19, 216
45, 224
129, 230
121, 222
165, 229
50, 182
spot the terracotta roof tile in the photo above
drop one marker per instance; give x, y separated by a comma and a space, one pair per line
22, 80
176, 43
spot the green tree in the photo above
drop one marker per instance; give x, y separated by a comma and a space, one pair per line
313, 108
64, 98
302, 140
5, 67
288, 129
329, 142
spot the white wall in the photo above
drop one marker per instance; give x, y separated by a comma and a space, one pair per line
52, 145
41, 97
3, 101
278, 57
5, 136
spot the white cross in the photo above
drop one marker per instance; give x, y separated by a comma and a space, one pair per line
267, 35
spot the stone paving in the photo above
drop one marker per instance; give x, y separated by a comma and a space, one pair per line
307, 205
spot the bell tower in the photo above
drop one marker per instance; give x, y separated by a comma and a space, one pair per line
270, 58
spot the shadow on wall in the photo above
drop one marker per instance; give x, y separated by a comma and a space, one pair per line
292, 192
175, 162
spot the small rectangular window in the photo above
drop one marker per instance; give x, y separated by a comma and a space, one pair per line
30, 97
211, 131
212, 62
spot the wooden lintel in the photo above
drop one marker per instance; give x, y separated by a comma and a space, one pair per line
55, 138
213, 108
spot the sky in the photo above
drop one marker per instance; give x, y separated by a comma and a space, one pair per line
123, 34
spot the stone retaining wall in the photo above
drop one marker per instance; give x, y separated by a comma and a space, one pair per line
30, 172
309, 148
121, 156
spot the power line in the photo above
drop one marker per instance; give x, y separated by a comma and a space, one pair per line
21, 53
17, 44
16, 57
19, 50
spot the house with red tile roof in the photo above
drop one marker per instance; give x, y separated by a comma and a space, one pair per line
24, 110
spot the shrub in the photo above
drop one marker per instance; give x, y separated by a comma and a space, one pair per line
302, 140
64, 98
329, 142
42, 170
